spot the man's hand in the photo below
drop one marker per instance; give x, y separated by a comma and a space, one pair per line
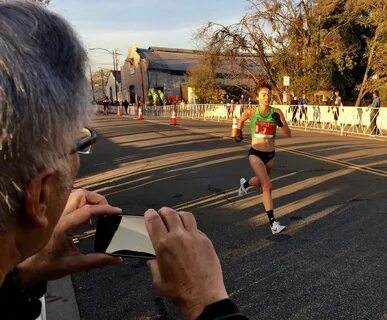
239, 136
80, 197
186, 269
277, 119
60, 256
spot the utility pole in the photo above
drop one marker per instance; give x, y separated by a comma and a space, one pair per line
92, 84
115, 71
102, 84
115, 65
142, 83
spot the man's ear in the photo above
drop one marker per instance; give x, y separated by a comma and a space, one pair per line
37, 196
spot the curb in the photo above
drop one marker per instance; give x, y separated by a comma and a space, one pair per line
60, 300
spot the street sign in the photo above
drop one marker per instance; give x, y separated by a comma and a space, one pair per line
286, 81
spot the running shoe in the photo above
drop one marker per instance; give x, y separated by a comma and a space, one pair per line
276, 227
242, 190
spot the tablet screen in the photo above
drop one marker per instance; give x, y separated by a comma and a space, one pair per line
123, 236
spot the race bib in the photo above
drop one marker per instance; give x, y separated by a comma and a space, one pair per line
264, 129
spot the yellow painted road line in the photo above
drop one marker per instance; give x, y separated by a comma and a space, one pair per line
339, 162
314, 156
302, 153
229, 195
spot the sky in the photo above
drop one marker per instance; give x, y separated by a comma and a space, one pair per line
112, 24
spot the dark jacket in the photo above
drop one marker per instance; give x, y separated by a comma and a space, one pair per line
222, 310
20, 304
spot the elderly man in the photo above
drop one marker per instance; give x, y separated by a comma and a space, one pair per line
44, 110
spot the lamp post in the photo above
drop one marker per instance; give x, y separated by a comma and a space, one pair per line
115, 65
92, 84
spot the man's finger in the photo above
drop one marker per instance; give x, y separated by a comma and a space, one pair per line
98, 260
189, 221
90, 261
83, 214
154, 269
95, 198
171, 219
80, 197
155, 226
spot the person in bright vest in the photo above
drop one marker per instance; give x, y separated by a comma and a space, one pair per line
264, 120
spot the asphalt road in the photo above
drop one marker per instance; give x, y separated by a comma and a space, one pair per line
330, 191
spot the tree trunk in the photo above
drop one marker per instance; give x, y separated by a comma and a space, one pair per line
362, 90
264, 61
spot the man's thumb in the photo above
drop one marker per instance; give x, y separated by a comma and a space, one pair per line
154, 269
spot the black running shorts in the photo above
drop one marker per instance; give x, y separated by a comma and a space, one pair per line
264, 156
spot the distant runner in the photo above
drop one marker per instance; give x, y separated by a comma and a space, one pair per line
264, 120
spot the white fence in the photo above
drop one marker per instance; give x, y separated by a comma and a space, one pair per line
343, 120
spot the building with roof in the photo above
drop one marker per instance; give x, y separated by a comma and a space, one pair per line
166, 69
113, 86
163, 69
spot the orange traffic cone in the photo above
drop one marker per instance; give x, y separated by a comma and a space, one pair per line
234, 127
119, 111
173, 119
140, 115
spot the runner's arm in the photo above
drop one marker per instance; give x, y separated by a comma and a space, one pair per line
245, 116
285, 128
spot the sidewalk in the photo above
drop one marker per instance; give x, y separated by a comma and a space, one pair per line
60, 300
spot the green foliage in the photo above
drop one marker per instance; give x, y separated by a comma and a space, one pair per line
98, 81
202, 78
320, 44
154, 96
161, 97
354, 39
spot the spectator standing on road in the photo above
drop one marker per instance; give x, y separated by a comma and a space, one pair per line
375, 105
182, 105
303, 102
242, 103
39, 213
105, 103
232, 108
336, 103
336, 99
227, 103
226, 100
242, 100
125, 104
294, 109
264, 120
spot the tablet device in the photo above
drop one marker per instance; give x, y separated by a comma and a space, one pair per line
123, 235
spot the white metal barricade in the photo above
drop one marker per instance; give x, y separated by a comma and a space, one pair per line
343, 120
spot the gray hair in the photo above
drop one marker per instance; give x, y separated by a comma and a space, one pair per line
44, 100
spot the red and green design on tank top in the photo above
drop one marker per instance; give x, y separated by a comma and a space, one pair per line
263, 127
